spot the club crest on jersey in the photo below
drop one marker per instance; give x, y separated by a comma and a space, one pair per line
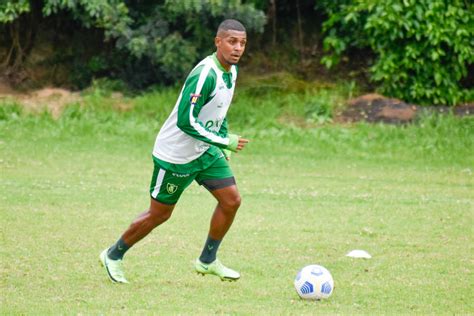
171, 188
194, 98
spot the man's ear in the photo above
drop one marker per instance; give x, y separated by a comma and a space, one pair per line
217, 41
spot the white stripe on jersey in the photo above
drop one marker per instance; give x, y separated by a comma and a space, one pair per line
172, 144
202, 131
202, 78
159, 181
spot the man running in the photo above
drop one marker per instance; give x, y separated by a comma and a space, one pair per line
194, 144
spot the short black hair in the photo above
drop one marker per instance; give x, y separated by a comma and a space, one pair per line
231, 24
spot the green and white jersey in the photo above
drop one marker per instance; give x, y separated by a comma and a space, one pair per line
198, 119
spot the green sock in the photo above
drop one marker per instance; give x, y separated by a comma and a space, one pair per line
117, 250
209, 251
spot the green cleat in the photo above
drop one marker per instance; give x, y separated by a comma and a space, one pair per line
113, 268
216, 268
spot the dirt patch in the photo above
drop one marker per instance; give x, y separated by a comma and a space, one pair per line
376, 108
52, 100
6, 89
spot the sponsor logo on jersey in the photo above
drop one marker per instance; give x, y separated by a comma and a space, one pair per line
194, 98
171, 188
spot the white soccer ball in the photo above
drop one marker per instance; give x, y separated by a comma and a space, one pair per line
314, 282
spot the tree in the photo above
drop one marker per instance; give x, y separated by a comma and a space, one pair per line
10, 13
163, 37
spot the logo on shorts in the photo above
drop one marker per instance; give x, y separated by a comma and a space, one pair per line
171, 188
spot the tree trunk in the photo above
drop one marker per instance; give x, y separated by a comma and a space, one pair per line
273, 17
22, 33
17, 51
32, 23
300, 30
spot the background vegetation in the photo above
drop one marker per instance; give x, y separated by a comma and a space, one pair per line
419, 51
422, 48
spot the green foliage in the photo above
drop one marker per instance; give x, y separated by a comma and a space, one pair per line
193, 12
110, 15
319, 109
11, 10
156, 42
423, 47
285, 100
9, 111
173, 35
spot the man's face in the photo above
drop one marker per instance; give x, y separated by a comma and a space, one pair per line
230, 46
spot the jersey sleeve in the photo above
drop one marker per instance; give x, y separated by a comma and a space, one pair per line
223, 131
196, 93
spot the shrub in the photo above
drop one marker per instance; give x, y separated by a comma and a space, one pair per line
422, 47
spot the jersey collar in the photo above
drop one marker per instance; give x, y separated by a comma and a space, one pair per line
218, 63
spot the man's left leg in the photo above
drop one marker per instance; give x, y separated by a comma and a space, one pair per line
228, 202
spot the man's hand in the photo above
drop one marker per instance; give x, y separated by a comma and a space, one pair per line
227, 153
242, 143
236, 143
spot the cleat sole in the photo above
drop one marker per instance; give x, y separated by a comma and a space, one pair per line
228, 279
217, 269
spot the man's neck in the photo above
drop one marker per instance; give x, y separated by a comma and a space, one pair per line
221, 63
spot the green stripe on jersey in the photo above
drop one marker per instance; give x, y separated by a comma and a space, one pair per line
198, 120
202, 88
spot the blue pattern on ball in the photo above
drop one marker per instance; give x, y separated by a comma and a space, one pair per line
307, 288
317, 271
326, 288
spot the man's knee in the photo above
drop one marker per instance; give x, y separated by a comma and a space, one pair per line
232, 203
160, 217
159, 212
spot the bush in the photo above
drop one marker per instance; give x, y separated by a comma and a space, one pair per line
149, 41
423, 47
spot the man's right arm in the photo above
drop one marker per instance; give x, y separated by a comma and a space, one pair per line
196, 93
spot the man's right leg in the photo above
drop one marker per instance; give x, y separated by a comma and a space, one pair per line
157, 214
228, 199
165, 186
111, 258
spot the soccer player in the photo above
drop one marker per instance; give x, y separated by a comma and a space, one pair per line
194, 144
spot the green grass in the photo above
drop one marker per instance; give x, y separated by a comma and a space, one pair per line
404, 194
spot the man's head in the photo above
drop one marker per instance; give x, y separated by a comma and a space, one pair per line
230, 41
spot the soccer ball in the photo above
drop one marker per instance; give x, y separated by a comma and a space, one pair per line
314, 282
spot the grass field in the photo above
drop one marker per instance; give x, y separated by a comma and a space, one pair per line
404, 194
